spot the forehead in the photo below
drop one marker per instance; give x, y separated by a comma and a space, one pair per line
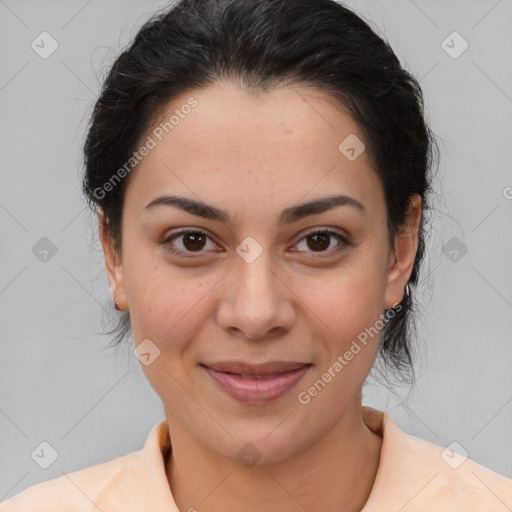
281, 143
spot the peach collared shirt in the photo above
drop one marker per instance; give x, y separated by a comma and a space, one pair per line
414, 475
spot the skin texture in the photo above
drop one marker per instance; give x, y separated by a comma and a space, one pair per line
253, 157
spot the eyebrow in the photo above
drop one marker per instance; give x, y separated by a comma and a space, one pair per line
288, 215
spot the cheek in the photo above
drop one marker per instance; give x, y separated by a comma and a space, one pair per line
166, 308
346, 310
167, 305
343, 301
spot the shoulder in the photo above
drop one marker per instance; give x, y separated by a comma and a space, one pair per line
453, 480
73, 492
124, 484
417, 475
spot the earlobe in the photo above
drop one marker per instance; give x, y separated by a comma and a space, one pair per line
403, 256
113, 267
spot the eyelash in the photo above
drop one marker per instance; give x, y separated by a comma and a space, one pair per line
344, 243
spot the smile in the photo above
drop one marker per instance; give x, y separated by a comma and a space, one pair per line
257, 385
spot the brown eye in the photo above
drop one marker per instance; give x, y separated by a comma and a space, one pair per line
194, 241
191, 242
319, 241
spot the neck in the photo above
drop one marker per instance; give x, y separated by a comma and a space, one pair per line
336, 473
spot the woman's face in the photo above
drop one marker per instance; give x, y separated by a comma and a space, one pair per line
255, 286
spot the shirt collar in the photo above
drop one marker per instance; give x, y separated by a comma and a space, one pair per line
397, 473
150, 484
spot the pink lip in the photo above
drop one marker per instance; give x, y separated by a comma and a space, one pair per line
256, 383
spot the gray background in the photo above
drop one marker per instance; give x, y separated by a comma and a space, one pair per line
59, 384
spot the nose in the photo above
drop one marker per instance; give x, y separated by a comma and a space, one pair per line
256, 299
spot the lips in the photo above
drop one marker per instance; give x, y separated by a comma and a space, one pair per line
255, 370
256, 384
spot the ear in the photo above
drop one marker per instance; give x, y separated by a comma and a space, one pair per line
113, 266
402, 258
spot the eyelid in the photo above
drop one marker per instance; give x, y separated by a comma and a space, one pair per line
343, 239
180, 232
344, 242
325, 229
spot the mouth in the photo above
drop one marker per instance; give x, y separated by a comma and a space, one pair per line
256, 383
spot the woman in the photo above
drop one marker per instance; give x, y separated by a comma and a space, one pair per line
261, 172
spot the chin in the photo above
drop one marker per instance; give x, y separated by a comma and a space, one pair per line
263, 445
